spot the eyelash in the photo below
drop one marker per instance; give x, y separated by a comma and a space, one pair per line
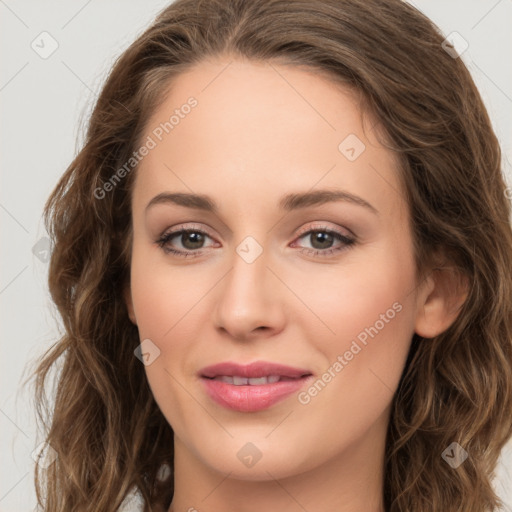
165, 238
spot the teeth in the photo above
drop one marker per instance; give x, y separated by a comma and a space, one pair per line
258, 381
244, 381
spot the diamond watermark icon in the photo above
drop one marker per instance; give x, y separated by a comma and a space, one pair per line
147, 352
249, 454
454, 45
249, 249
44, 45
164, 472
454, 455
351, 147
44, 455
41, 249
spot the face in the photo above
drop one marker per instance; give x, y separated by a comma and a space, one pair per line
278, 273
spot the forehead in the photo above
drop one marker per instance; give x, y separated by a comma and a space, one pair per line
270, 102
256, 127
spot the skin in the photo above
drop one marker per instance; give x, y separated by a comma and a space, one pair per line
260, 131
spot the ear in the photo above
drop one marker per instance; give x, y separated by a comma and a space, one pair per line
127, 294
440, 298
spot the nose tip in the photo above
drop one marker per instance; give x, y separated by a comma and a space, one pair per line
248, 302
241, 333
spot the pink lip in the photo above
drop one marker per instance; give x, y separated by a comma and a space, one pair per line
252, 398
253, 370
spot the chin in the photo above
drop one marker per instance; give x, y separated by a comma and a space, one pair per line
259, 460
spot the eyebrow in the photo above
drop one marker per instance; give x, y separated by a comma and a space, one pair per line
289, 202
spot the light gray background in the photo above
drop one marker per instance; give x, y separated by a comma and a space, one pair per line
43, 102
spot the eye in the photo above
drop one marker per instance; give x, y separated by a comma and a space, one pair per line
322, 238
191, 240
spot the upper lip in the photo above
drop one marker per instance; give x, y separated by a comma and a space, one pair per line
252, 370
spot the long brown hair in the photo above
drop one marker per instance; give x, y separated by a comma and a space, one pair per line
102, 420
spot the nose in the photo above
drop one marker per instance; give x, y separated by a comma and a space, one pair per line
249, 302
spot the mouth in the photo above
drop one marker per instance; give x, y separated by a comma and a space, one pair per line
252, 387
254, 381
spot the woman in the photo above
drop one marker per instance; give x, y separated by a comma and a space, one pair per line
229, 135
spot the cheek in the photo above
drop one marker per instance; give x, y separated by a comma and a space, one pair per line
358, 297
168, 303
163, 305
370, 316
162, 295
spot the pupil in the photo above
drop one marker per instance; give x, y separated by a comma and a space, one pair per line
197, 239
325, 240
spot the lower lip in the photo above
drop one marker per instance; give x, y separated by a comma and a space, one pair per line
251, 398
